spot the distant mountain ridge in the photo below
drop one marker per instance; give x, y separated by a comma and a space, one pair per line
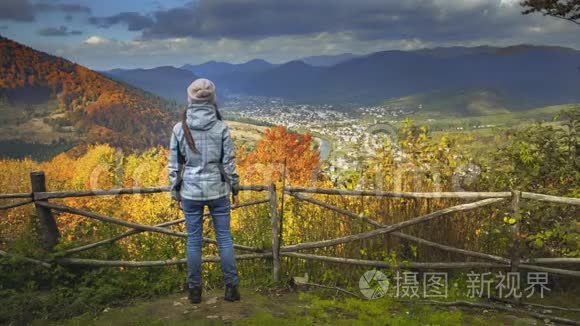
215, 68
514, 78
328, 60
45, 97
168, 82
528, 75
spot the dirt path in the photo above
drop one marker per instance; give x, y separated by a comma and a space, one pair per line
176, 310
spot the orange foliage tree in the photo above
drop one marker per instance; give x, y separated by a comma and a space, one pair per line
278, 145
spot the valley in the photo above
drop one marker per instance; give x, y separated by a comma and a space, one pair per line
384, 162
348, 136
57, 105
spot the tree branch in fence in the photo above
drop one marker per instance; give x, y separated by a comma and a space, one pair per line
550, 270
403, 235
384, 230
427, 265
433, 244
16, 196
274, 223
164, 224
344, 192
524, 263
534, 305
116, 238
563, 260
99, 192
551, 199
107, 219
335, 288
254, 187
13, 205
26, 259
382, 264
450, 248
121, 191
128, 263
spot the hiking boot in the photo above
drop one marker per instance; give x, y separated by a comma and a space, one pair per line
232, 294
195, 294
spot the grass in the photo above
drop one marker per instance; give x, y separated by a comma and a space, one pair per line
284, 307
245, 134
446, 123
472, 101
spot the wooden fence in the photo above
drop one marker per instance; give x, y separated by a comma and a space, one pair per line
40, 197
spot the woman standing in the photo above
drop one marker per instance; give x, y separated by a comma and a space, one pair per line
202, 172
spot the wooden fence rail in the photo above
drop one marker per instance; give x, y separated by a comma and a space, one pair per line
50, 233
514, 263
40, 197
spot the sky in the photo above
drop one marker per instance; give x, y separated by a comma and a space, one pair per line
109, 34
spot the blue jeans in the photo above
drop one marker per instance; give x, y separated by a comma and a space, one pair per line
220, 212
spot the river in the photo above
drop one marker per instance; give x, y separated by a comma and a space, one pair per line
324, 147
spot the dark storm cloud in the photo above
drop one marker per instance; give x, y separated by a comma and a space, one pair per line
69, 8
18, 10
57, 31
438, 20
246, 19
25, 10
133, 20
53, 31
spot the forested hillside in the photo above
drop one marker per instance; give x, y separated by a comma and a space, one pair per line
47, 99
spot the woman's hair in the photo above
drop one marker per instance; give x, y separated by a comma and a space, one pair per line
187, 132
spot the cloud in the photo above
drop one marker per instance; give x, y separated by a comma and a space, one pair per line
57, 31
18, 10
437, 20
240, 30
133, 20
25, 10
96, 40
100, 52
69, 8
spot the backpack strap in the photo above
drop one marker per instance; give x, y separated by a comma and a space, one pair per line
221, 164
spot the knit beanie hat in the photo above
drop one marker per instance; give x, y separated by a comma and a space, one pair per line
200, 91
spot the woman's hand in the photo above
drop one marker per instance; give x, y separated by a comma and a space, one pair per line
235, 200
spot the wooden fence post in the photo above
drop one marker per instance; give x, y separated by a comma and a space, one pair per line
48, 227
275, 233
515, 230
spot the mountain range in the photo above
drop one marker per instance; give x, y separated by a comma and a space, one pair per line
45, 99
167, 82
215, 68
328, 60
519, 77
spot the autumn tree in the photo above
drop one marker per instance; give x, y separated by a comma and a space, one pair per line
87, 98
277, 146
